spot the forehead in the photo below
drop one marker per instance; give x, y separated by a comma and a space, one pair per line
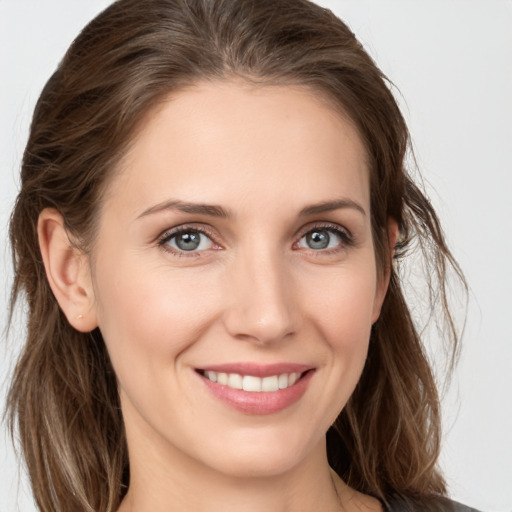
221, 141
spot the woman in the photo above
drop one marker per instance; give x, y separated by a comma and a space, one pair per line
213, 211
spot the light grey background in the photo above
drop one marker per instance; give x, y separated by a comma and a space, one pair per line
452, 62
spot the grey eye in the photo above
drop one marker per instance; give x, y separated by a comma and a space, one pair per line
190, 240
319, 239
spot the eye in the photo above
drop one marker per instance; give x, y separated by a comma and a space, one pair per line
186, 240
322, 238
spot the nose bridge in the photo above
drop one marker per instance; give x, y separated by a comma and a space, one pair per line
261, 307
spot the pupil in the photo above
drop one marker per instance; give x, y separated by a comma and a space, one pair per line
188, 241
318, 239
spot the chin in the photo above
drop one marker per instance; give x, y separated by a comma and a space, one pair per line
268, 454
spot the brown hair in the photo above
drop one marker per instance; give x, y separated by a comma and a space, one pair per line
63, 399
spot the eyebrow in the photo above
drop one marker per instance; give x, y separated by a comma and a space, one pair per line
328, 206
213, 210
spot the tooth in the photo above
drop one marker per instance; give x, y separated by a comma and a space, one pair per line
283, 381
251, 383
222, 378
235, 381
270, 383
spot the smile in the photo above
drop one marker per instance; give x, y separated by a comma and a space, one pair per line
255, 389
253, 383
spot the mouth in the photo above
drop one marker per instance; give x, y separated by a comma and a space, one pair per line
253, 383
253, 389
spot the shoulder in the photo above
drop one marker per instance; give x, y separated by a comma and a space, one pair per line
458, 507
437, 505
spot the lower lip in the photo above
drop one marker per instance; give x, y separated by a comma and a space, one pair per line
262, 402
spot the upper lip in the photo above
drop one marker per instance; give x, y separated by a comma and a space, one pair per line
257, 370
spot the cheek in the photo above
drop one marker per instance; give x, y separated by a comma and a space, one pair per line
343, 304
149, 317
340, 309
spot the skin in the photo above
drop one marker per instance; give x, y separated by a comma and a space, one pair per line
253, 291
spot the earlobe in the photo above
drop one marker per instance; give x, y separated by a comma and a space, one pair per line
67, 271
383, 284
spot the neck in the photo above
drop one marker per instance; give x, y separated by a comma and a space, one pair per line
308, 488
186, 486
164, 479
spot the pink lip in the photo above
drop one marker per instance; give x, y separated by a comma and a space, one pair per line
263, 402
258, 370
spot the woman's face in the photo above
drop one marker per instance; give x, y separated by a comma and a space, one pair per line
235, 246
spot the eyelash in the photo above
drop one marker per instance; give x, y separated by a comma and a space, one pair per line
345, 236
347, 240
167, 236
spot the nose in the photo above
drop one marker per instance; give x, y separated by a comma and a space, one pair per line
261, 306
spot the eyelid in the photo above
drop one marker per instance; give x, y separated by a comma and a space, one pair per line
325, 225
169, 233
343, 232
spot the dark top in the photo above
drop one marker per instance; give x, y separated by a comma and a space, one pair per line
443, 505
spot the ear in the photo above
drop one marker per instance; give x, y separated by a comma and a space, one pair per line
383, 280
67, 270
